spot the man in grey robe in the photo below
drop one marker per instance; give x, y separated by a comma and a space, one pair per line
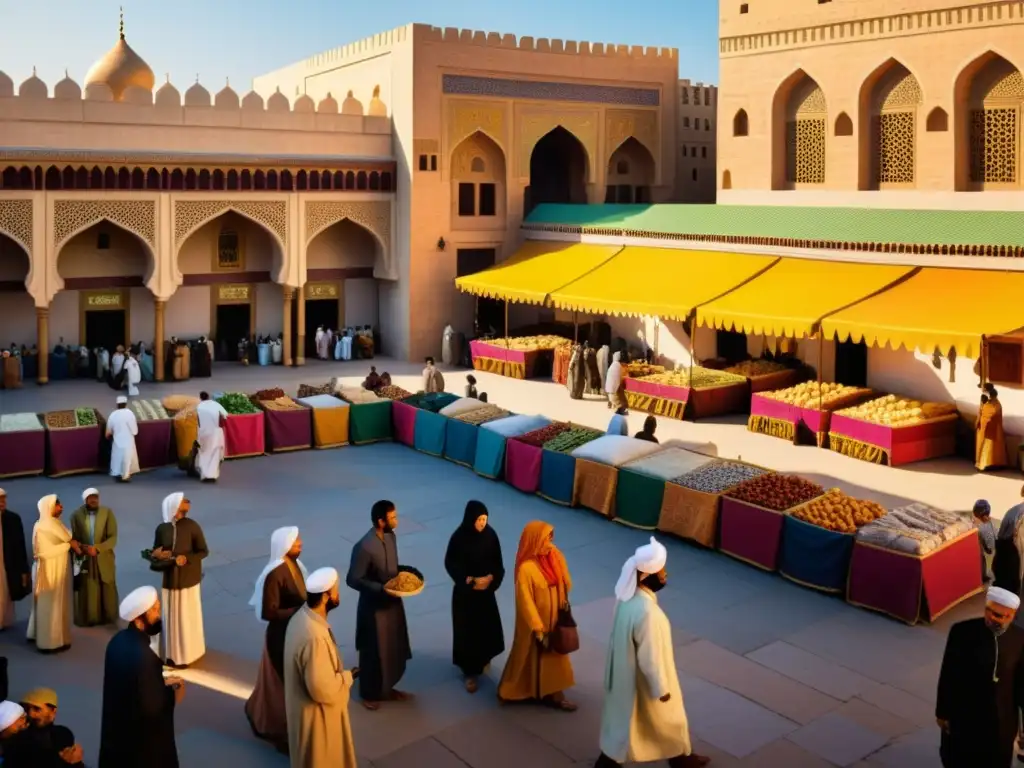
382, 636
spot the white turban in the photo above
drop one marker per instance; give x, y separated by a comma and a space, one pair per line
10, 713
89, 492
3, 492
45, 507
1003, 597
137, 603
122, 400
649, 558
281, 541
171, 504
321, 580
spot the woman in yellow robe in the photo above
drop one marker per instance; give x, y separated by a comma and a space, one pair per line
990, 440
533, 672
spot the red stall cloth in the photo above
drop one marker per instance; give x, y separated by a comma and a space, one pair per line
22, 453
751, 533
154, 443
244, 435
403, 416
288, 430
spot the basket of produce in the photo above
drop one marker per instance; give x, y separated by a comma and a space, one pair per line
154, 441
311, 390
804, 408
330, 420
408, 583
74, 442
369, 419
915, 562
22, 445
640, 486
175, 403
765, 375
817, 539
558, 466
515, 357
523, 456
393, 392
288, 424
693, 500
186, 431
753, 513
894, 430
244, 434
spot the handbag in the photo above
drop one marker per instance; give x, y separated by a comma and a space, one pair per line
565, 637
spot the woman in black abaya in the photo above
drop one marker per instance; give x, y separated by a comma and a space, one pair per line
473, 560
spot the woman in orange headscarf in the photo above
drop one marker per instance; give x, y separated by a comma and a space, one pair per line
533, 672
990, 440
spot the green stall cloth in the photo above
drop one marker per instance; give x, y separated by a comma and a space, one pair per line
370, 422
638, 499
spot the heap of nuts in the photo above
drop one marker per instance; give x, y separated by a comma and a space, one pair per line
835, 511
393, 392
61, 420
718, 477
776, 492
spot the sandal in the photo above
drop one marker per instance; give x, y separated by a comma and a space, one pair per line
471, 685
373, 706
397, 695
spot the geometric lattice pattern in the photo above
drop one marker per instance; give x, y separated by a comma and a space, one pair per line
71, 216
16, 221
372, 215
994, 146
894, 142
905, 93
189, 215
1009, 87
805, 150
813, 103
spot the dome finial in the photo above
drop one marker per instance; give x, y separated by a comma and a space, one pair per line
167, 75
33, 70
66, 75
197, 77
120, 27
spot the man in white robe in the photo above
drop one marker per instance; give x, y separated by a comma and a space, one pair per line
346, 345
132, 374
122, 427
117, 362
49, 624
643, 719
321, 342
212, 419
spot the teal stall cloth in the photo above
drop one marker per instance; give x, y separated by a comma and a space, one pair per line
815, 557
431, 429
460, 442
638, 499
557, 476
370, 422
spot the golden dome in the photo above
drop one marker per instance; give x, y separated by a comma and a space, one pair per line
120, 68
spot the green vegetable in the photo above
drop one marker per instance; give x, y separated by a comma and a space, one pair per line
236, 404
86, 417
571, 439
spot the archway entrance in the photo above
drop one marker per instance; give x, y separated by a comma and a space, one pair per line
19, 317
558, 170
234, 318
989, 103
630, 174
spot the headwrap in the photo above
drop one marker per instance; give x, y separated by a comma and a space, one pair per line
40, 697
614, 377
647, 559
281, 541
121, 400
473, 510
321, 580
137, 603
45, 507
1003, 597
171, 504
3, 492
551, 565
10, 713
89, 492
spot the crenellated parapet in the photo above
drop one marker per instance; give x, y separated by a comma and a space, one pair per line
476, 37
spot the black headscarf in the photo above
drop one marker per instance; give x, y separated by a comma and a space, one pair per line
472, 552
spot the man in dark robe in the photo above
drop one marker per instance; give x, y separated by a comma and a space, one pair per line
17, 576
137, 730
53, 744
382, 636
981, 687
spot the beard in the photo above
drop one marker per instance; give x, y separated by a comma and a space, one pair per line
652, 582
154, 628
997, 628
332, 603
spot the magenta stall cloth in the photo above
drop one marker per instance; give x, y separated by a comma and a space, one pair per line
403, 416
244, 435
522, 465
22, 453
73, 451
155, 444
750, 533
288, 430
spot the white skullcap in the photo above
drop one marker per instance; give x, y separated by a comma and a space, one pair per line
10, 712
89, 492
647, 559
121, 400
3, 492
1003, 597
137, 603
321, 580
170, 506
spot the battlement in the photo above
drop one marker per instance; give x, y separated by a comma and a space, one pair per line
686, 83
374, 45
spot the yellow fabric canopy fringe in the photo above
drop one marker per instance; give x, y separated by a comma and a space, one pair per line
791, 298
658, 282
938, 307
537, 269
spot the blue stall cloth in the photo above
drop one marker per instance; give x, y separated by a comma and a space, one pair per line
815, 557
58, 367
263, 353
460, 441
557, 476
430, 432
489, 460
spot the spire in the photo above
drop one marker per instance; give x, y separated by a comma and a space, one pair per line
120, 27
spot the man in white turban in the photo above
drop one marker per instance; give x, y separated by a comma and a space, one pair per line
122, 428
137, 729
981, 686
643, 719
212, 420
316, 685
49, 624
95, 526
14, 745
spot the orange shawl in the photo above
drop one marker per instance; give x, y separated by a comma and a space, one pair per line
552, 565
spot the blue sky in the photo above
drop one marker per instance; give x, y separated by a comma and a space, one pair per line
240, 39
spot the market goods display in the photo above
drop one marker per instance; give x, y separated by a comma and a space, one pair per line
281, 404
638, 369
702, 378
571, 439
148, 410
323, 401
405, 584
174, 403
73, 442
86, 417
61, 420
462, 405
776, 492
480, 416
898, 411
529, 343
916, 529
642, 484
718, 477
615, 450
539, 437
358, 395
835, 511
668, 463
752, 368
273, 393
430, 401
20, 422
237, 404
825, 396
311, 390
393, 392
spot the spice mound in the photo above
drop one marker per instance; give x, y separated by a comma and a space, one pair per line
405, 583
835, 511
61, 420
718, 477
274, 393
777, 492
393, 392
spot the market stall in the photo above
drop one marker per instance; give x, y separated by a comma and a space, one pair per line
894, 430
640, 486
768, 375
430, 426
22, 445
461, 431
523, 456
515, 357
489, 460
558, 465
73, 442
817, 539
803, 411
692, 501
915, 563
330, 420
288, 424
244, 431
154, 443
369, 419
695, 393
597, 470
753, 514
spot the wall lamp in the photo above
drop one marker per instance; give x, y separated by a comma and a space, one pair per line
441, 244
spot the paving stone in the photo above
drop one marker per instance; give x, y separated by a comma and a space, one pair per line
490, 741
837, 739
803, 666
425, 753
874, 719
783, 753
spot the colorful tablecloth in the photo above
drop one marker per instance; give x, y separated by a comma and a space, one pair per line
638, 499
430, 432
22, 453
690, 514
750, 533
894, 446
489, 458
186, 432
288, 430
244, 435
155, 443
330, 426
460, 442
370, 422
594, 487
815, 557
522, 465
73, 451
557, 477
403, 416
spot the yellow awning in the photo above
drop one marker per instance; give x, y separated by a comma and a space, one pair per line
538, 268
791, 298
658, 282
936, 308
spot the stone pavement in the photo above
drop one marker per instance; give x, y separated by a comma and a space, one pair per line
773, 674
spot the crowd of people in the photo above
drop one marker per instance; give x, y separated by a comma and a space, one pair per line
351, 343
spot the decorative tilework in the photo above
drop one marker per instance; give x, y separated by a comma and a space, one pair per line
72, 216
468, 85
16, 221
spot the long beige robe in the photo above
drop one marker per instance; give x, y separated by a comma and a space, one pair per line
316, 695
50, 621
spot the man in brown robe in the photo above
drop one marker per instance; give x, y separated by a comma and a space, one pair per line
990, 440
316, 685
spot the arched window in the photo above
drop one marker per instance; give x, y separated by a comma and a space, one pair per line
218, 179
82, 178
477, 165
740, 124
893, 100
806, 116
361, 180
177, 179
153, 179
138, 178
245, 180
374, 181
995, 103
726, 180
204, 179
938, 121
53, 177
301, 181
844, 125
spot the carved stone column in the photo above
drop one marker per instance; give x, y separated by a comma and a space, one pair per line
43, 343
300, 320
158, 343
289, 295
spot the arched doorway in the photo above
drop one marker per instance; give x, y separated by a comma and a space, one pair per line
799, 118
227, 292
340, 290
477, 173
989, 96
19, 317
558, 170
890, 99
630, 173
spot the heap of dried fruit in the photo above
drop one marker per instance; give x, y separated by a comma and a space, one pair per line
480, 416
835, 511
281, 404
530, 343
393, 392
538, 437
175, 403
825, 396
571, 439
718, 477
405, 581
702, 378
777, 492
310, 390
752, 368
86, 417
61, 420
897, 411
274, 393
638, 368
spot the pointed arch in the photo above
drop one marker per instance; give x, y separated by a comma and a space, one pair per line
844, 125
727, 179
938, 121
630, 173
153, 179
145, 247
889, 100
560, 169
799, 120
372, 216
190, 215
740, 123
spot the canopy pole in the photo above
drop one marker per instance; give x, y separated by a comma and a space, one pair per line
984, 362
821, 363
693, 328
657, 328
575, 327
507, 345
